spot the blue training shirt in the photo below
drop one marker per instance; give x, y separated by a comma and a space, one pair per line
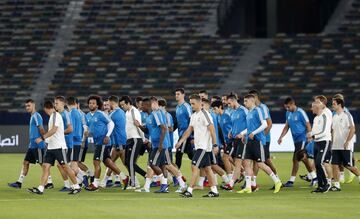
183, 114
224, 121
253, 122
216, 127
97, 124
169, 123
118, 136
153, 123
144, 116
68, 121
238, 120
77, 123
35, 122
266, 113
297, 122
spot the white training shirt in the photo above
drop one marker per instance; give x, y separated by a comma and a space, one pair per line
131, 130
341, 128
202, 137
57, 140
321, 129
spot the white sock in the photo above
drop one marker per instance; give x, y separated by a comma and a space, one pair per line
230, 176
313, 175
274, 177
342, 176
90, 172
21, 177
164, 180
181, 182
328, 181
248, 182
117, 178
253, 181
292, 178
214, 189
80, 174
122, 176
41, 188
147, 184
337, 185
189, 189
76, 186
225, 178
67, 184
201, 181
216, 179
96, 182
79, 180
49, 179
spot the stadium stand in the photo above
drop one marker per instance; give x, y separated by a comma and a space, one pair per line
27, 29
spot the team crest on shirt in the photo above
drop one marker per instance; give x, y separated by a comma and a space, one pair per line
295, 118
95, 119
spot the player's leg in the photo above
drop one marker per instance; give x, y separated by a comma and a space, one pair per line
29, 158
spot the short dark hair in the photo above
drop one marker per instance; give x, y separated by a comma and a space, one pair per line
203, 92
339, 101
146, 99
322, 99
232, 96
98, 99
153, 99
247, 96
195, 97
114, 98
72, 100
61, 98
138, 99
300, 154
255, 92
48, 104
289, 100
216, 97
30, 101
126, 99
162, 102
207, 101
181, 90
217, 104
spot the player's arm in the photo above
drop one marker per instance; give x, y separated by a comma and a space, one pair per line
69, 129
186, 134
268, 126
162, 136
261, 128
211, 128
283, 133
50, 133
350, 135
41, 130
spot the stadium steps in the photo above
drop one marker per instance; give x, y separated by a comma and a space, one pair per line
338, 17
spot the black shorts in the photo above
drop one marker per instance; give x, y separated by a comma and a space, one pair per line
159, 158
239, 145
342, 157
82, 154
170, 154
230, 149
102, 152
68, 154
55, 154
34, 155
186, 146
299, 146
267, 150
214, 159
75, 152
118, 147
201, 159
254, 150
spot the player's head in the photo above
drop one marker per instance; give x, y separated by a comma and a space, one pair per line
256, 94
162, 103
48, 107
205, 103
30, 106
203, 94
106, 105
249, 101
114, 102
125, 102
214, 98
289, 104
338, 96
301, 155
321, 98
232, 100
94, 103
179, 94
154, 103
317, 107
338, 103
195, 102
60, 103
146, 104
72, 102
218, 107
224, 99
138, 102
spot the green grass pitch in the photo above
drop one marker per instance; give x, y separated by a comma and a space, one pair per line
295, 202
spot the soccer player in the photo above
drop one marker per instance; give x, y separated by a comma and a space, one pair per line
204, 94
68, 131
267, 117
255, 139
100, 128
106, 106
224, 122
35, 152
298, 122
134, 140
226, 108
183, 114
55, 151
118, 140
343, 130
238, 125
321, 134
205, 139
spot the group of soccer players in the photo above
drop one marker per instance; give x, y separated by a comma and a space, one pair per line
220, 136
